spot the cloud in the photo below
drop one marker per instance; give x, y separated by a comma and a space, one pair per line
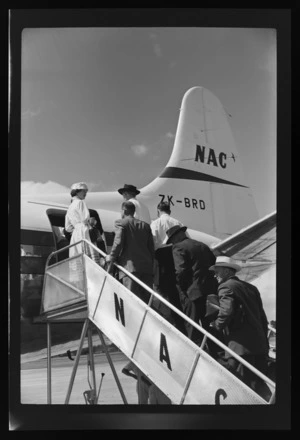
95, 186
139, 150
37, 188
164, 142
170, 135
156, 157
30, 114
156, 46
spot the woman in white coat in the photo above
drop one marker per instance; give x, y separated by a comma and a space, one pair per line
77, 222
77, 218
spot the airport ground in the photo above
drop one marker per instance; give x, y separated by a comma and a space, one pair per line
34, 380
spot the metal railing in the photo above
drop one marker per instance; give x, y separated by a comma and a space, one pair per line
206, 334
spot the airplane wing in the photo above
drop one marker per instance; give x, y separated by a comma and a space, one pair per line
254, 248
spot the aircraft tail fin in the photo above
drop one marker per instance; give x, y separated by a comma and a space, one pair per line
203, 179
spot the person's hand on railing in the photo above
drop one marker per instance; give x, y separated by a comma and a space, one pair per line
102, 262
107, 258
109, 264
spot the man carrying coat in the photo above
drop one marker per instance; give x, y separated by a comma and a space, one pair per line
243, 320
194, 282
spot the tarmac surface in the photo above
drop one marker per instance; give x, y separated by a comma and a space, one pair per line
34, 381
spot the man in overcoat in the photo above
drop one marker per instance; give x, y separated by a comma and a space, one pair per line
194, 281
243, 320
133, 248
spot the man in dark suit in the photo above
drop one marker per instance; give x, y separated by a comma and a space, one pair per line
133, 248
243, 320
192, 260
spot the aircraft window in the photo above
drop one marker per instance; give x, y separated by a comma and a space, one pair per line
31, 289
35, 248
37, 238
33, 264
35, 279
37, 251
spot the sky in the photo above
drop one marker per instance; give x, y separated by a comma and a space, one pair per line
101, 105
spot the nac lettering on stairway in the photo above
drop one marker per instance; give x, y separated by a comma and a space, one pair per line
119, 308
163, 352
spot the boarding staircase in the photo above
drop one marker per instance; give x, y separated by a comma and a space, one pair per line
78, 288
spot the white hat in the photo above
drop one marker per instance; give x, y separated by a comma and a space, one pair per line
223, 261
79, 185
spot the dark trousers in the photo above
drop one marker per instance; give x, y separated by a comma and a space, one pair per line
142, 388
160, 307
169, 293
157, 397
247, 376
195, 310
135, 288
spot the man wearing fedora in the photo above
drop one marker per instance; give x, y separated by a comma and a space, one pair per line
194, 282
243, 321
129, 193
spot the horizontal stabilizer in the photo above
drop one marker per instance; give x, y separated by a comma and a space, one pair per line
254, 248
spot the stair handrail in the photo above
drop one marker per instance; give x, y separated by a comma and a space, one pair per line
172, 307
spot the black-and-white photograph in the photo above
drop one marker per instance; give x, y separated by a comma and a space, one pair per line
149, 160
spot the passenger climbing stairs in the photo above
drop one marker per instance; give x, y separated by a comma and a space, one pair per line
79, 288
